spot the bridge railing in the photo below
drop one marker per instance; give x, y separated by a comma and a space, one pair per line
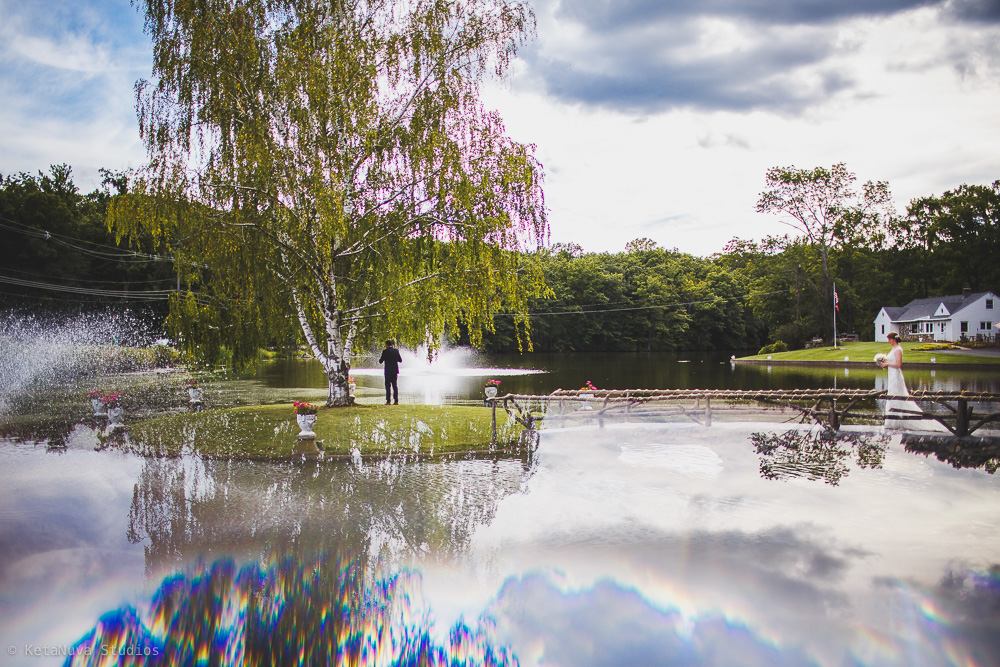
829, 407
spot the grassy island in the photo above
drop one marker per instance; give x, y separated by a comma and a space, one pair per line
270, 432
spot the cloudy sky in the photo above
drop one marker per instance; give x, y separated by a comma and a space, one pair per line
653, 118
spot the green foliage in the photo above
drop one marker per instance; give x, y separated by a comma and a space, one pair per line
333, 165
776, 346
823, 205
957, 238
56, 238
646, 298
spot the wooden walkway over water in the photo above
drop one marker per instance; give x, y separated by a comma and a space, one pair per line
961, 413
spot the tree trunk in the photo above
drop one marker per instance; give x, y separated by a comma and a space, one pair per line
338, 372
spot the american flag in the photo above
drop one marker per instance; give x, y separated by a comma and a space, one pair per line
836, 301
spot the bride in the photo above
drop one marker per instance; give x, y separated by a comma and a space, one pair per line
897, 387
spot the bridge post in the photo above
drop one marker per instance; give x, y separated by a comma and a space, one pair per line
708, 411
962, 418
834, 417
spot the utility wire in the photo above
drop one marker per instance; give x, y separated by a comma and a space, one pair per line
129, 256
171, 280
151, 295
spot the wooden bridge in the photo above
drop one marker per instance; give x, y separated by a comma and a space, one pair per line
961, 413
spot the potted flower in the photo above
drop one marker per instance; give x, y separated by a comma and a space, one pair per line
492, 387
351, 385
95, 401
587, 390
305, 416
116, 413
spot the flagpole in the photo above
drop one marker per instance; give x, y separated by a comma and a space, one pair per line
835, 316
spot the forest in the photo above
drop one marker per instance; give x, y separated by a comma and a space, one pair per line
59, 256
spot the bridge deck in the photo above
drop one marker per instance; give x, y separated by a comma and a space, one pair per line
956, 411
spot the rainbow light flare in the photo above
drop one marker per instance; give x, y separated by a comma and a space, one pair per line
318, 610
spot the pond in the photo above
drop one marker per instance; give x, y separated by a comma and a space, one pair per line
738, 544
458, 375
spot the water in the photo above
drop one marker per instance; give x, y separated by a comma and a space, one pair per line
458, 375
739, 544
628, 545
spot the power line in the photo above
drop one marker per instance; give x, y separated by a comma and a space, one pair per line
150, 295
171, 280
118, 255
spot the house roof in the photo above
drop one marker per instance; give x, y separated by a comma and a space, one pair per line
924, 309
894, 311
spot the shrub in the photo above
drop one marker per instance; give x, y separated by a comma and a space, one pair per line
776, 346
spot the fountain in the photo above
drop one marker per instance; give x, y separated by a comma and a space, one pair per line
39, 351
441, 377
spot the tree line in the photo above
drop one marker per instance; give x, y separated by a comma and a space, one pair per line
59, 255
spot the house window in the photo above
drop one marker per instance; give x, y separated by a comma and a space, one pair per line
883, 328
941, 328
965, 327
983, 326
989, 304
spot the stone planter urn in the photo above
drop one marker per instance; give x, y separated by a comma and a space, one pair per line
196, 401
305, 423
99, 409
491, 391
351, 386
584, 405
116, 417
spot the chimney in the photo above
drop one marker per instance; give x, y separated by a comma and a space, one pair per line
966, 291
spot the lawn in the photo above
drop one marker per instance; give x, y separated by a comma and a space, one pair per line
867, 351
270, 431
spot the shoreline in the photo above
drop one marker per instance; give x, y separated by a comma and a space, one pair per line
960, 366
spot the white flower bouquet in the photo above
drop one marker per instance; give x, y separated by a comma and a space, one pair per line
880, 357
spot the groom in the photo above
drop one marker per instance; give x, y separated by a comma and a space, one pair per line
392, 359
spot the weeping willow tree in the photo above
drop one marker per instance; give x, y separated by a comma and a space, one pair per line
332, 162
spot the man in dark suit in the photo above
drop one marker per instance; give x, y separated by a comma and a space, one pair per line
391, 358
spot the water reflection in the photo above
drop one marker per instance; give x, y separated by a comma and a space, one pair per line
970, 452
817, 454
396, 507
326, 609
633, 544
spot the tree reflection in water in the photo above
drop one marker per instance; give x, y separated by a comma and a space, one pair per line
397, 507
968, 452
817, 454
330, 608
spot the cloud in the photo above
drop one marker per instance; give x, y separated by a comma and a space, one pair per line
66, 76
617, 13
648, 56
983, 11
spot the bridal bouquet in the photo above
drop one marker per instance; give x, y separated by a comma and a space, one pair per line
880, 357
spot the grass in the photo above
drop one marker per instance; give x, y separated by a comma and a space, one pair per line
270, 432
867, 351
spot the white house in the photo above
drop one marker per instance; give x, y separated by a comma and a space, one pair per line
969, 315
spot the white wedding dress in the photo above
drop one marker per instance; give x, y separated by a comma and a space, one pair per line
897, 387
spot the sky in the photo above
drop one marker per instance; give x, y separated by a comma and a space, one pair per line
652, 118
